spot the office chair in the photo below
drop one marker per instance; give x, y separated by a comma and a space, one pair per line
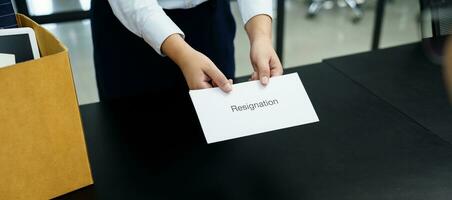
435, 30
316, 5
440, 12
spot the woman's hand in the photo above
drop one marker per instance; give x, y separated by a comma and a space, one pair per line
199, 71
265, 62
263, 57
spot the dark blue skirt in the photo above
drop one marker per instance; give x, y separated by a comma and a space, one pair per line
127, 66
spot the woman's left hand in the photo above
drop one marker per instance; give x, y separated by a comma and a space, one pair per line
265, 62
263, 57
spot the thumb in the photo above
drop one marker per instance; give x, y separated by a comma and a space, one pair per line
264, 72
218, 78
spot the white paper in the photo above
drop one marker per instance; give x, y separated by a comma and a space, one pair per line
7, 59
251, 108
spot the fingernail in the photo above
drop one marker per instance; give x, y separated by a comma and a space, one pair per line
228, 87
264, 80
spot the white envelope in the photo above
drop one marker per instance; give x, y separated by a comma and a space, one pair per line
7, 59
252, 108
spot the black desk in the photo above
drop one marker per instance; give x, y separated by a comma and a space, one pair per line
404, 78
362, 148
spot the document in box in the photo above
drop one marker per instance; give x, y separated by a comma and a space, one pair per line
7, 59
252, 108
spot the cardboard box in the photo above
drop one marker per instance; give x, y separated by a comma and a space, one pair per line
42, 146
448, 67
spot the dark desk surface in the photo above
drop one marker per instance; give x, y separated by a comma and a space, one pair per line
406, 79
362, 148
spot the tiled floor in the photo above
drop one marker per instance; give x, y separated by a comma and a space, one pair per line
330, 34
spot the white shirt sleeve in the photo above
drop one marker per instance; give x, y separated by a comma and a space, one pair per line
146, 19
251, 8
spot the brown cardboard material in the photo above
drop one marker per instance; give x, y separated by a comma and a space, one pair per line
448, 67
42, 146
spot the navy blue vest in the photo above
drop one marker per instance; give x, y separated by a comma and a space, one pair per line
127, 66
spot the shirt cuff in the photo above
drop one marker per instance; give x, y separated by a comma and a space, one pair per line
251, 8
156, 28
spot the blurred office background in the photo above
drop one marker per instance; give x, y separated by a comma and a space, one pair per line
333, 31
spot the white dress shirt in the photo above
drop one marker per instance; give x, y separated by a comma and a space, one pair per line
147, 19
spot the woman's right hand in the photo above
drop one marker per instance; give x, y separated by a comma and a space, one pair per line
199, 71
